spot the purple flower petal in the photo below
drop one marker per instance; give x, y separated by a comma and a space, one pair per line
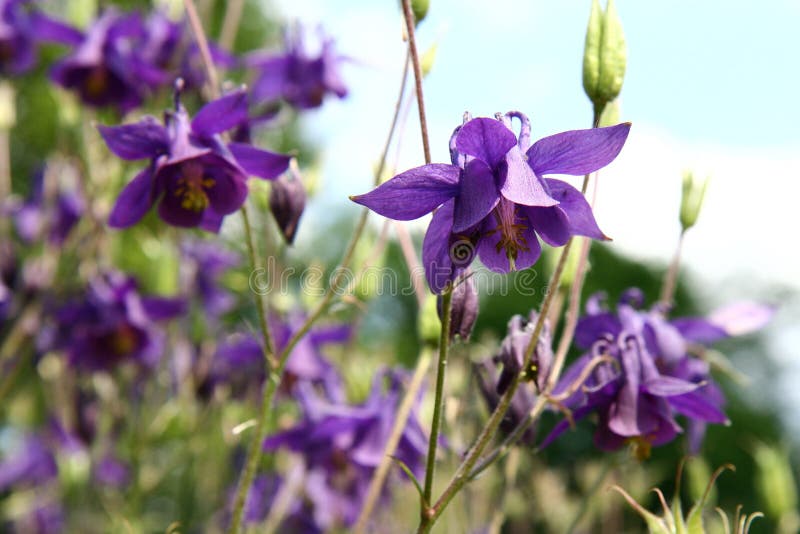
699, 330
212, 221
414, 193
521, 185
551, 223
140, 140
579, 212
45, 28
486, 139
162, 308
439, 268
742, 318
577, 152
478, 196
624, 411
667, 386
258, 162
696, 406
134, 201
593, 327
221, 114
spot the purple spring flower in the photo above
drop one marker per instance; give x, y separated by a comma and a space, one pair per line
30, 464
106, 67
343, 444
297, 77
33, 215
240, 360
21, 29
194, 176
652, 377
496, 374
494, 199
207, 261
113, 324
112, 472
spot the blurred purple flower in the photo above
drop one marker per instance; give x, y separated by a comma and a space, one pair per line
194, 176
106, 68
343, 444
112, 472
21, 29
207, 261
113, 324
295, 76
496, 374
29, 464
287, 200
240, 360
493, 199
35, 215
654, 374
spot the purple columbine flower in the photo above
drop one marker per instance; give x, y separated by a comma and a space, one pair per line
207, 261
113, 324
493, 199
22, 28
343, 444
106, 68
195, 178
297, 77
30, 464
653, 374
495, 374
239, 361
36, 213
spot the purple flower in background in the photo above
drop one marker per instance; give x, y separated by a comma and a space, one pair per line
297, 77
493, 199
287, 200
37, 212
653, 374
207, 261
112, 323
21, 29
106, 68
30, 464
496, 373
343, 444
112, 472
195, 178
240, 360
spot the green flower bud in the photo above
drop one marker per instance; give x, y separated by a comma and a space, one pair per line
691, 199
604, 56
426, 62
774, 481
610, 114
420, 9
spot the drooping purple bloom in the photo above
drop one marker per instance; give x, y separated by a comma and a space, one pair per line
297, 77
464, 308
493, 200
106, 68
195, 178
38, 215
653, 375
207, 261
287, 200
343, 444
239, 361
22, 28
495, 374
112, 323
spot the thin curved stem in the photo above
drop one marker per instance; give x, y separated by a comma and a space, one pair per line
438, 404
671, 277
408, 14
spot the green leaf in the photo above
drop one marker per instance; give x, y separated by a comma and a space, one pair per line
410, 475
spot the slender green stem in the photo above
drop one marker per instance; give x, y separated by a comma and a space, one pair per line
269, 353
403, 413
230, 24
438, 404
202, 44
408, 14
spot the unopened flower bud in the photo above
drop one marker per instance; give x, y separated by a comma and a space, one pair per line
774, 481
691, 199
463, 309
287, 200
420, 9
427, 60
604, 56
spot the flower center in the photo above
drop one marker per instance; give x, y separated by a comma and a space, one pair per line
512, 239
192, 187
123, 340
96, 82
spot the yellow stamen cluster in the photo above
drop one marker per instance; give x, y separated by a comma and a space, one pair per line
192, 187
